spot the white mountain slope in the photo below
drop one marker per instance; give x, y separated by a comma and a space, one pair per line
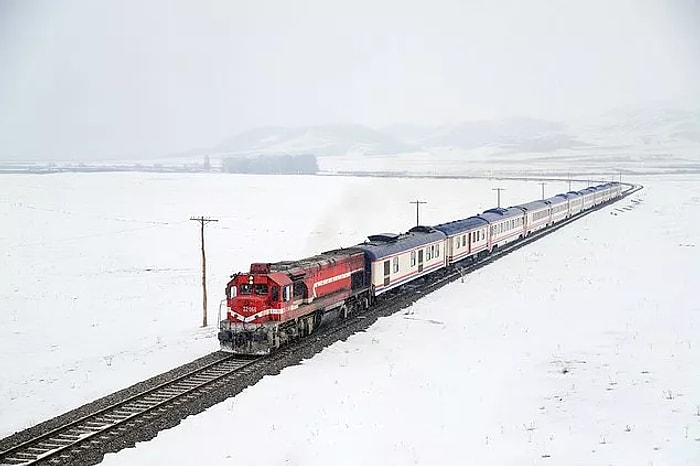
514, 133
326, 140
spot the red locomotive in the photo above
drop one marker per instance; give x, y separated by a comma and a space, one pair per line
280, 302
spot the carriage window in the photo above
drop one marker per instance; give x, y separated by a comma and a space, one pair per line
413, 258
437, 250
275, 293
396, 264
245, 288
464, 240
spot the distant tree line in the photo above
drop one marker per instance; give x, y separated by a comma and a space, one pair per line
304, 164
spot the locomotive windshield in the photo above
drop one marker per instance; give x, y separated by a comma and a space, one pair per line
259, 289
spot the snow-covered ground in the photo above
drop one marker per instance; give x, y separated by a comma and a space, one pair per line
603, 162
579, 349
101, 284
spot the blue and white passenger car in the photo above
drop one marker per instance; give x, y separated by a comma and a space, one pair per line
558, 207
395, 259
536, 214
505, 225
575, 202
466, 238
588, 195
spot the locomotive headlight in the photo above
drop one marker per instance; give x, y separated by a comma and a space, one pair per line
250, 279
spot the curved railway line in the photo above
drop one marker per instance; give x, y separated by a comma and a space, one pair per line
67, 442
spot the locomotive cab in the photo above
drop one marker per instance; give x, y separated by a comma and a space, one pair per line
257, 296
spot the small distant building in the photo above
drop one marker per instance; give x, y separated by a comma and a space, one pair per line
304, 164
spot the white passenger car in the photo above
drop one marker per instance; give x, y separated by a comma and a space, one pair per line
396, 259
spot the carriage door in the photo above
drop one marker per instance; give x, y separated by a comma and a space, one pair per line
387, 271
420, 261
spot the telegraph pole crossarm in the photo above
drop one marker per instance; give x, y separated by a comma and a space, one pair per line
203, 221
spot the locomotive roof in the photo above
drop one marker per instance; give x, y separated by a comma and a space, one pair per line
572, 194
387, 244
459, 226
534, 205
335, 254
499, 213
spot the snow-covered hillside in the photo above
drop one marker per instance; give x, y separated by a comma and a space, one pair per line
326, 140
647, 129
521, 134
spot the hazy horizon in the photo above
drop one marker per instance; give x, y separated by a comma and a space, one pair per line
83, 78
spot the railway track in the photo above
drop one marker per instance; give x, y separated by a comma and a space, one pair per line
63, 444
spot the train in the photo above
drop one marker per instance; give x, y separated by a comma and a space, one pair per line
274, 304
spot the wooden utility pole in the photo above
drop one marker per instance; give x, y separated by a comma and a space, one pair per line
203, 221
499, 194
417, 203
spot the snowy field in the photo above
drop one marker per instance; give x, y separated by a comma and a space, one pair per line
101, 273
603, 162
579, 349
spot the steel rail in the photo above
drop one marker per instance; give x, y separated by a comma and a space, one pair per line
104, 421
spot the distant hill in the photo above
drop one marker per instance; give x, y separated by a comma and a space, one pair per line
644, 126
326, 140
642, 129
522, 134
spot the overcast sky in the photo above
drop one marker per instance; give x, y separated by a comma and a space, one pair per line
146, 77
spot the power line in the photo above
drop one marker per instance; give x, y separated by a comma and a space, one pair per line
203, 221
